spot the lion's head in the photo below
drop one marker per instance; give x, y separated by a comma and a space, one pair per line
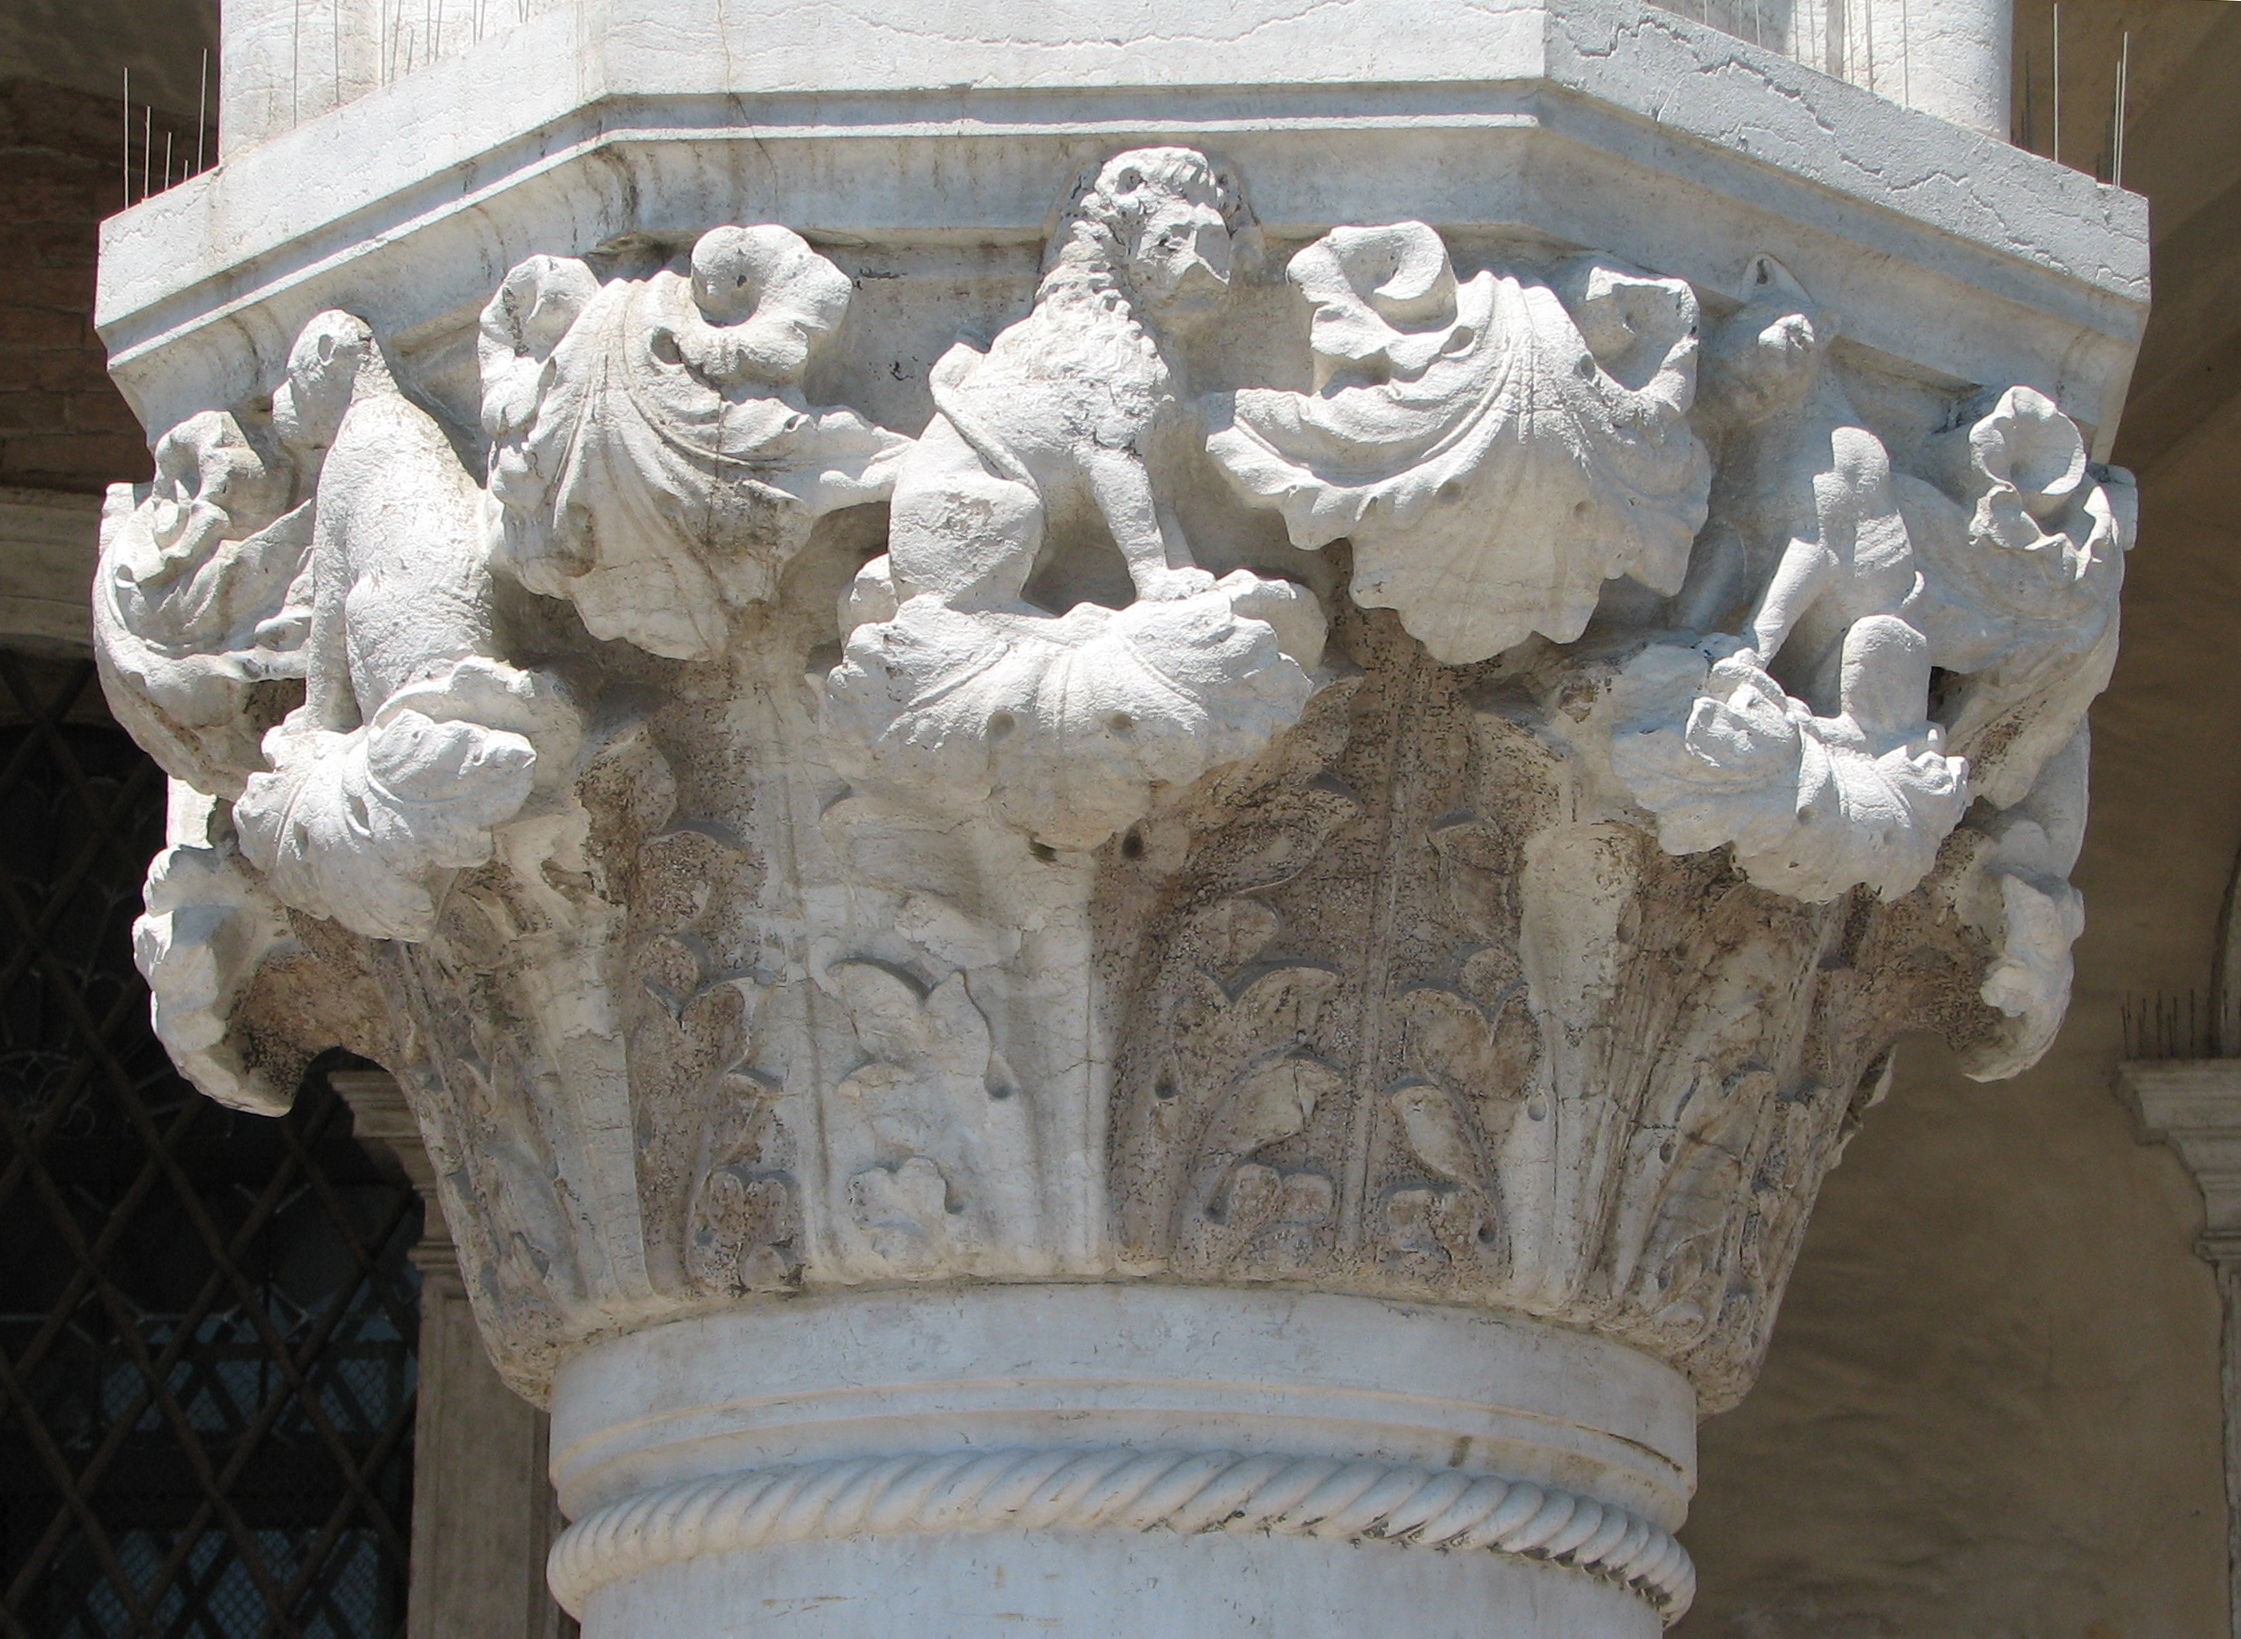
1762, 362
1165, 226
335, 361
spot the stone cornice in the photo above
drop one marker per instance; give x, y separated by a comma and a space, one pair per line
2010, 262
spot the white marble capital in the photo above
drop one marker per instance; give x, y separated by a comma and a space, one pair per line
1131, 837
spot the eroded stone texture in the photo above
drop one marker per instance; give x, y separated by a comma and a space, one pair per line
1440, 778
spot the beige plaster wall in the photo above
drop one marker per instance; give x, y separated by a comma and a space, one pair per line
1991, 1409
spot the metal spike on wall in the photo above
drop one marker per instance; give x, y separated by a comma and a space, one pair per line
144, 132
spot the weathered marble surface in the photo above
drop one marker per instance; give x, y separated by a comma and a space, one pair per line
1089, 916
1283, 1432
1421, 767
1599, 124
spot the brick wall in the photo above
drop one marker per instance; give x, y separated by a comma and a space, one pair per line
63, 426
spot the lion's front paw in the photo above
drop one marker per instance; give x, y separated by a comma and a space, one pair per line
1166, 585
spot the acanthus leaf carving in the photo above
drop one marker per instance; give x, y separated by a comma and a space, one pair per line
210, 924
202, 599
906, 898
1494, 450
1064, 725
652, 457
955, 1185
362, 826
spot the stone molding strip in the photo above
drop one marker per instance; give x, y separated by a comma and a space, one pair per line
1124, 1489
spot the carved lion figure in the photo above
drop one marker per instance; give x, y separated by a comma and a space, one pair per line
414, 740
1063, 418
401, 583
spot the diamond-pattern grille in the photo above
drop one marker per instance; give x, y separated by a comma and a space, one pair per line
207, 1319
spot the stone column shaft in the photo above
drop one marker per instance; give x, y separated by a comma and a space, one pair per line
1957, 59
2225, 1255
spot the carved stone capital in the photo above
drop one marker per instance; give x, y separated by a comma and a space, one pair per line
1025, 891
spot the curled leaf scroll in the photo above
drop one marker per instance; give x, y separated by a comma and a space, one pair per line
1495, 449
1064, 725
203, 595
653, 457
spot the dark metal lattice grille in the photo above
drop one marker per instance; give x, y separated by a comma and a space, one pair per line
207, 1319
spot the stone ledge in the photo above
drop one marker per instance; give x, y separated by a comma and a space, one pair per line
1603, 124
2194, 1106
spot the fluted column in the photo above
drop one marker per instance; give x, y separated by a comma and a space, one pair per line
1131, 840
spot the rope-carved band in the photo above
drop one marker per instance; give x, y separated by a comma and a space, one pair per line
1119, 1489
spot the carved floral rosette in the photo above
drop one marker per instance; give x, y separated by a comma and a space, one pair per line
1486, 855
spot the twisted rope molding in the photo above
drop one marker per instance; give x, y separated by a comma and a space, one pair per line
1122, 1489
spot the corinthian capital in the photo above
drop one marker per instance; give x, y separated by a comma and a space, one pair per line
1230, 877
